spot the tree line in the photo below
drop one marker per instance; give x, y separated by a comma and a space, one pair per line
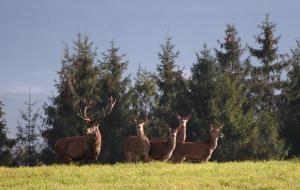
252, 91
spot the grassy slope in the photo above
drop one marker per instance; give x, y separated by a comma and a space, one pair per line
232, 175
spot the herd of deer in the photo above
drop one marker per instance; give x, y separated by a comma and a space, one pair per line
139, 147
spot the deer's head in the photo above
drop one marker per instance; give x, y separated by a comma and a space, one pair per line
216, 132
92, 131
183, 120
172, 134
139, 125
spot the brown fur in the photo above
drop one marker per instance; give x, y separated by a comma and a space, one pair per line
137, 146
163, 149
181, 135
200, 151
85, 147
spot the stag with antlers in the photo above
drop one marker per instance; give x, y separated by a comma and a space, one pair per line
88, 146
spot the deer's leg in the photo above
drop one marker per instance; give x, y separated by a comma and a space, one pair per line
128, 157
146, 158
178, 159
66, 159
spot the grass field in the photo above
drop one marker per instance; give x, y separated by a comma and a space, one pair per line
232, 175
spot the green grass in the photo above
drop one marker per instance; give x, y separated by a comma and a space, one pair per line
232, 175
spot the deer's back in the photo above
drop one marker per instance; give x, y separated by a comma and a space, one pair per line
75, 147
158, 148
192, 150
134, 144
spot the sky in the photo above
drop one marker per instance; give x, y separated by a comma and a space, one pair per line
33, 33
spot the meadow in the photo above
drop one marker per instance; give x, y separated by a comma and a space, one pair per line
156, 175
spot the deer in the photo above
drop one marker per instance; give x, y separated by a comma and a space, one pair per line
181, 135
162, 149
86, 147
137, 146
199, 151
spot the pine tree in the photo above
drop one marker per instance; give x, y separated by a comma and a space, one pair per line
5, 143
77, 82
112, 83
27, 135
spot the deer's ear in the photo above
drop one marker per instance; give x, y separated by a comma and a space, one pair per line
221, 127
211, 127
134, 120
177, 116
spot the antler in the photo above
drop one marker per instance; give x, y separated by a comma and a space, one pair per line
83, 115
112, 102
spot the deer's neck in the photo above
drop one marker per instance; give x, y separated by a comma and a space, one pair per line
98, 138
141, 134
171, 144
181, 135
213, 142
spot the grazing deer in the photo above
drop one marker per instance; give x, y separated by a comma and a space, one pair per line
181, 135
200, 151
137, 146
86, 147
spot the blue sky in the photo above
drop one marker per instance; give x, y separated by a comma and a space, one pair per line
32, 33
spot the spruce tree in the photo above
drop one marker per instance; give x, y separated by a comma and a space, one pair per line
290, 109
113, 83
172, 88
143, 99
231, 51
77, 82
5, 143
267, 76
229, 98
266, 87
204, 74
27, 135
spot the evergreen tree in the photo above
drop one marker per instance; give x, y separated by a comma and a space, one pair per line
266, 77
204, 74
112, 83
290, 110
229, 58
266, 86
172, 88
143, 99
265, 142
5, 143
228, 103
27, 135
77, 82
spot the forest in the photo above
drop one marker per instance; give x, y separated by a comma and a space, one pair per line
252, 91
